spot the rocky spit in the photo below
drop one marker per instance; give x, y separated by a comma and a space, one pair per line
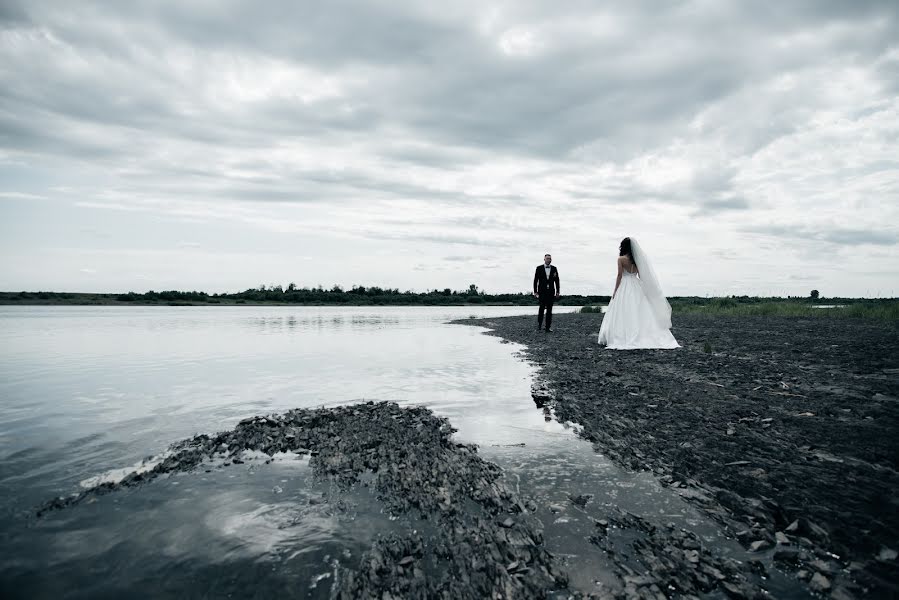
482, 541
785, 430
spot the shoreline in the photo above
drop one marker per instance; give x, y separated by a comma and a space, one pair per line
782, 429
464, 529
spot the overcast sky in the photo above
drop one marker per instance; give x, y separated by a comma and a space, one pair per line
751, 147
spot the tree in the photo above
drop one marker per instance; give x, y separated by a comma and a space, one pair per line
472, 290
815, 294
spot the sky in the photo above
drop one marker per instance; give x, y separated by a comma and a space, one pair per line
751, 147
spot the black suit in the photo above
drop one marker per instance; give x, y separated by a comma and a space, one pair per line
546, 288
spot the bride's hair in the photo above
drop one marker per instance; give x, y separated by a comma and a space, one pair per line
625, 250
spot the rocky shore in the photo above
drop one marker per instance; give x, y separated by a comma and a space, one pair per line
785, 430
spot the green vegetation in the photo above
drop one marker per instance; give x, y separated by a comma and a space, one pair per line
886, 309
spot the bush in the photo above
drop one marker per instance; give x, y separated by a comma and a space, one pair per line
725, 303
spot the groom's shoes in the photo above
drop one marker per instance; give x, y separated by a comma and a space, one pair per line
549, 330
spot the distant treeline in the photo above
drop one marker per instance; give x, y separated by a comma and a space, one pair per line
355, 296
361, 296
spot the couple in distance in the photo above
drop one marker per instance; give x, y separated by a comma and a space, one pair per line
638, 315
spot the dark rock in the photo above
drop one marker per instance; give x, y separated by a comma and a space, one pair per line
819, 583
580, 499
786, 555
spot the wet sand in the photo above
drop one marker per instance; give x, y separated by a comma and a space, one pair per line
785, 430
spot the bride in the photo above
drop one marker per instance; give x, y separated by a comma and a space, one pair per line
638, 316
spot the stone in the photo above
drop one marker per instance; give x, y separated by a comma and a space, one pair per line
580, 499
814, 530
819, 583
842, 593
786, 555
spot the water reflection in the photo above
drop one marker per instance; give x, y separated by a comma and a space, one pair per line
293, 323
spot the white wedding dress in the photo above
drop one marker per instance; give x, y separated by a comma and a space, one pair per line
631, 322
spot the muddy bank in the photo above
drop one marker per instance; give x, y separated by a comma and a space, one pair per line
783, 429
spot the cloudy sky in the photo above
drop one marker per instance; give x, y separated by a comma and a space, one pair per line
752, 147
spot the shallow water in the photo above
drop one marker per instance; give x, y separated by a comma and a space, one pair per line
89, 392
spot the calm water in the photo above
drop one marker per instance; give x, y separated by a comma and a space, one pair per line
86, 393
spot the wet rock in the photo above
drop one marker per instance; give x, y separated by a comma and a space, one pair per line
786, 555
813, 530
887, 554
580, 499
819, 583
843, 593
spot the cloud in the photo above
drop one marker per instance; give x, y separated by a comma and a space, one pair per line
711, 207
833, 235
386, 127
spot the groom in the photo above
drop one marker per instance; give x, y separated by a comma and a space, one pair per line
547, 289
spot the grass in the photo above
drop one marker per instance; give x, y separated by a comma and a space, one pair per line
887, 310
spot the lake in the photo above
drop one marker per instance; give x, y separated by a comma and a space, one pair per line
88, 393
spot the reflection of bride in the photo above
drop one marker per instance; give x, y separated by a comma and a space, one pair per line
638, 315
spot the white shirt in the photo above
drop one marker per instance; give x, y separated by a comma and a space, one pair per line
548, 269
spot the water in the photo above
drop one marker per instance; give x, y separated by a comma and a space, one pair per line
89, 392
